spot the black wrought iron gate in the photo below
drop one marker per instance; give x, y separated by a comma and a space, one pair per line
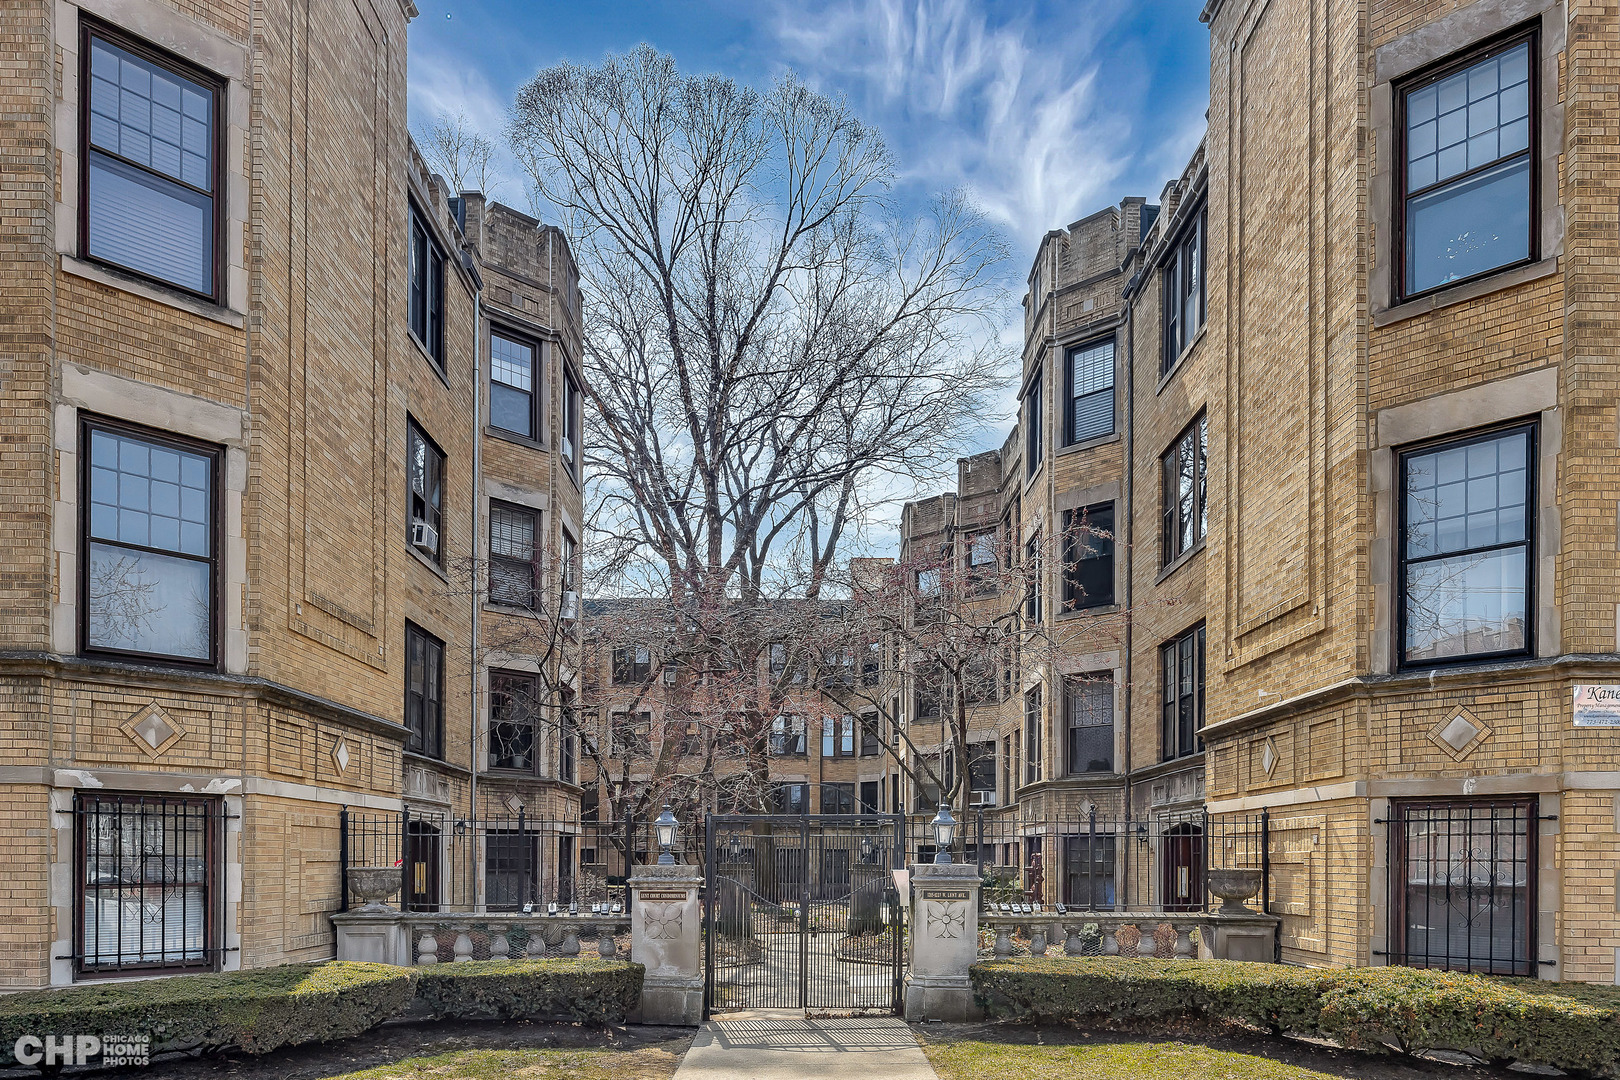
801, 912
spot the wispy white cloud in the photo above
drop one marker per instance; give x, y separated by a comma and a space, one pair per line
443, 83
1035, 117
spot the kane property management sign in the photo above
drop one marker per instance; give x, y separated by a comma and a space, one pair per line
1597, 706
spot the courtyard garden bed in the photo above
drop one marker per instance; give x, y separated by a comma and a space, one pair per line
1369, 1009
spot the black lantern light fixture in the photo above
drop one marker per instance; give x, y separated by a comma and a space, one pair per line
667, 826
944, 827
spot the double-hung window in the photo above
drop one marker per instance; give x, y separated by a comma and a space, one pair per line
424, 692
1088, 557
838, 798
150, 550
513, 574
631, 735
1466, 179
1185, 469
1184, 299
150, 163
1033, 720
570, 423
1089, 702
1032, 580
837, 736
788, 736
514, 712
1089, 375
1466, 547
425, 473
514, 379
1181, 667
425, 309
632, 664
1033, 436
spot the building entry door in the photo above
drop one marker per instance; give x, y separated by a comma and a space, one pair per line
801, 912
1183, 886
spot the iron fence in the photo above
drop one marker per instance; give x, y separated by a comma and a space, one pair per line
516, 863
1084, 861
1101, 862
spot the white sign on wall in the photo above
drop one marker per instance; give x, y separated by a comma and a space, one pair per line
1597, 706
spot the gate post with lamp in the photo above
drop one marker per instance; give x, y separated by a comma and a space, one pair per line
944, 932
666, 934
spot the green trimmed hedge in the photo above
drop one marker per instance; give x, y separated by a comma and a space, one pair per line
589, 991
255, 1011
1571, 1027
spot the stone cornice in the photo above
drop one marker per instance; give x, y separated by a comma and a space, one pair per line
54, 665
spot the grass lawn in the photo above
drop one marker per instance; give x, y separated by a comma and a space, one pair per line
576, 1063
993, 1052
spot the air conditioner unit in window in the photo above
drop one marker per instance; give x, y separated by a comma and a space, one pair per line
425, 537
570, 605
982, 798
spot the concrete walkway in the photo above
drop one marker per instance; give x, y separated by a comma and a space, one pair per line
771, 1044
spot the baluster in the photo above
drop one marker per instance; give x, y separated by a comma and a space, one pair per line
1037, 940
1184, 945
536, 948
1071, 941
604, 940
427, 948
1144, 938
1004, 946
570, 942
463, 946
1110, 938
498, 944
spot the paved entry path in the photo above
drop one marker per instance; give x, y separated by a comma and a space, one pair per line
771, 1044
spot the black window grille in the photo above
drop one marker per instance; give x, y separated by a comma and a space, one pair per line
1463, 884
146, 874
1033, 438
838, 798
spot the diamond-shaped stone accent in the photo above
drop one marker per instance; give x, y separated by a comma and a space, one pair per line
1268, 757
340, 756
512, 802
153, 730
1460, 734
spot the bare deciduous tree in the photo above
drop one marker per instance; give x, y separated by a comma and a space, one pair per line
768, 333
459, 152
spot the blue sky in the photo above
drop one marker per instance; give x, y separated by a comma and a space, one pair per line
1045, 111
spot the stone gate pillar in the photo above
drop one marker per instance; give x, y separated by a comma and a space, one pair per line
944, 942
666, 935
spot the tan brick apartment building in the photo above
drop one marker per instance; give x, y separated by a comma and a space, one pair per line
1366, 389
247, 457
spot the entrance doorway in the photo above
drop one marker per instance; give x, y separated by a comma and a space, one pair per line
1183, 886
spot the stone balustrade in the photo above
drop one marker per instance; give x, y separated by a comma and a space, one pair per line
1170, 935
416, 938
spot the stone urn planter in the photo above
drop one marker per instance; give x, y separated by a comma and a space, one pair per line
374, 884
1233, 887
